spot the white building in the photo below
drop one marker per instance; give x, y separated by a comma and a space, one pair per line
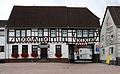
110, 35
53, 33
2, 39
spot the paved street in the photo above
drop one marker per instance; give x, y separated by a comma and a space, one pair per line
57, 68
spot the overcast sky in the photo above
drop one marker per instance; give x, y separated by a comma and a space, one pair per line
96, 6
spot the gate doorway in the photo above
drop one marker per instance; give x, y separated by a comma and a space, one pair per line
43, 53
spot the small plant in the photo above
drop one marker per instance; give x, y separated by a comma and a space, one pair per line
24, 55
34, 54
15, 55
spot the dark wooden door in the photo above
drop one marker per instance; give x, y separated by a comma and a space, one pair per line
44, 53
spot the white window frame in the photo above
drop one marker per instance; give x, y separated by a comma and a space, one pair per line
64, 33
79, 33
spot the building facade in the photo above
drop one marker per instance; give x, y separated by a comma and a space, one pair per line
110, 36
2, 39
52, 33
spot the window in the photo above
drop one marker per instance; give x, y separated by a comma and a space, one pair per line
85, 33
1, 32
1, 48
28, 32
17, 33
53, 33
34, 32
103, 51
111, 50
15, 49
79, 33
40, 33
24, 48
64, 33
34, 48
58, 49
11, 33
91, 33
23, 33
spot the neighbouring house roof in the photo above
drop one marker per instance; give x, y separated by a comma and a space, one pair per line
3, 23
115, 13
52, 17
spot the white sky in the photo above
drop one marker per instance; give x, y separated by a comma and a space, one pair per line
96, 6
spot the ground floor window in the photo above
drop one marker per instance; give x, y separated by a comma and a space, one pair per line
15, 51
58, 51
34, 48
1, 48
24, 48
34, 51
24, 51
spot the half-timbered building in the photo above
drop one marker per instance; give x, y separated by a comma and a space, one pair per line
54, 33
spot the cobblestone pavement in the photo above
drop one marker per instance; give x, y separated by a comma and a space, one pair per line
58, 68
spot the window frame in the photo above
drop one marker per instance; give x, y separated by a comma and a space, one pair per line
25, 50
85, 33
79, 33
2, 49
33, 48
2, 32
55, 33
64, 33
15, 50
58, 50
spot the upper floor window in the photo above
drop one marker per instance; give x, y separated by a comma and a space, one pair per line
11, 32
1, 48
1, 32
64, 33
79, 33
40, 32
91, 33
22, 32
85, 33
53, 33
17, 33
34, 32
28, 32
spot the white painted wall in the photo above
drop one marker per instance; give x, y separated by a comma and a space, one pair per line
51, 50
2, 43
106, 41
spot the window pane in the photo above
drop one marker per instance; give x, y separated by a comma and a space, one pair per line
40, 33
15, 49
91, 33
58, 49
79, 33
22, 32
85, 33
24, 48
11, 33
64, 33
53, 33
34, 48
17, 33
1, 32
1, 48
28, 32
